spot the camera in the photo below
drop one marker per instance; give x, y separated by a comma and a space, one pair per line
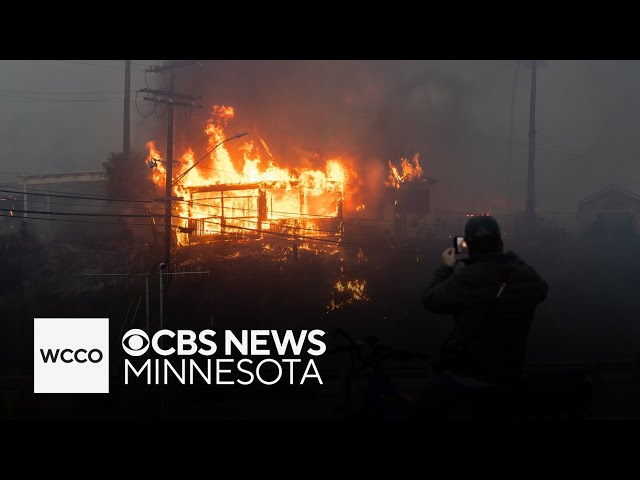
460, 245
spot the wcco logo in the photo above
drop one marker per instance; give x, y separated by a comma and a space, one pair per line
80, 355
71, 355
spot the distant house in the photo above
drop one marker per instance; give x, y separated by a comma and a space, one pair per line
612, 209
46, 193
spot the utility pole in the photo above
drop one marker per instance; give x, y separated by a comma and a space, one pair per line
169, 177
510, 159
531, 172
127, 109
168, 97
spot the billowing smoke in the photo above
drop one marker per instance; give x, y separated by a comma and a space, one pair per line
372, 112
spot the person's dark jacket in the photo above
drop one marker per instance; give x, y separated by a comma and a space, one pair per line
489, 334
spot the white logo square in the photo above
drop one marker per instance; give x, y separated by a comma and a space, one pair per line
71, 355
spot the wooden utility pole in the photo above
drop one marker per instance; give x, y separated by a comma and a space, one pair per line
531, 172
126, 145
169, 166
168, 97
511, 114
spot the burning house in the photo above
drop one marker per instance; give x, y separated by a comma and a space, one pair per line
408, 194
248, 193
244, 192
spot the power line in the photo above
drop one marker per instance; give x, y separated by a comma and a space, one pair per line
89, 196
292, 214
314, 240
132, 63
17, 173
79, 221
138, 109
71, 204
207, 220
109, 199
31, 92
182, 175
53, 193
291, 227
277, 234
52, 100
80, 214
98, 65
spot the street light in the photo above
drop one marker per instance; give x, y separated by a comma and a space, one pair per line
183, 174
153, 163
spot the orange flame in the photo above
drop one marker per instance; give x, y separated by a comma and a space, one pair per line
253, 193
155, 162
410, 171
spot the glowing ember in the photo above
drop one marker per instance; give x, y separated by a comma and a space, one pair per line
345, 292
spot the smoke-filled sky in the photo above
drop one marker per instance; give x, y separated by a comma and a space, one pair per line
454, 113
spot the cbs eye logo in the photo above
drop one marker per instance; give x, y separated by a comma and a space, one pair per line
135, 342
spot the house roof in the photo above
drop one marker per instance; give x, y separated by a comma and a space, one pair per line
606, 189
62, 178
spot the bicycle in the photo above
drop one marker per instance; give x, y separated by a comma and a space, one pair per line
371, 366
561, 392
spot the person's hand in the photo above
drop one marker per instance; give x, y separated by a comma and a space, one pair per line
449, 257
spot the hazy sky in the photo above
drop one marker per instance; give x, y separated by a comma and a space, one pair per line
455, 113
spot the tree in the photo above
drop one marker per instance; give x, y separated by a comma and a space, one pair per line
129, 177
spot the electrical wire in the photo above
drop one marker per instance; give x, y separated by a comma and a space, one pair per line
291, 214
78, 221
317, 240
17, 173
83, 196
99, 65
81, 214
138, 109
164, 112
267, 234
277, 234
348, 233
289, 227
110, 199
50, 100
181, 176
30, 92
70, 204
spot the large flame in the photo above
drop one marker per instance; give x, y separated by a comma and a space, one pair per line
408, 171
155, 162
253, 193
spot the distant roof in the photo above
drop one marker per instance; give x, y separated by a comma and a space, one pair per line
62, 177
612, 186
